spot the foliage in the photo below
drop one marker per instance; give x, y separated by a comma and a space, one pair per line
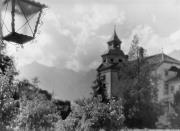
175, 116
23, 104
92, 114
8, 105
133, 51
141, 109
8, 101
37, 108
99, 89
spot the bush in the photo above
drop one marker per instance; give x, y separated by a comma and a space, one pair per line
91, 114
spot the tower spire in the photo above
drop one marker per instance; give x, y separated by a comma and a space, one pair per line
115, 28
114, 42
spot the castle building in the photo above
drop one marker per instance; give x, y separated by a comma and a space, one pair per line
108, 70
166, 67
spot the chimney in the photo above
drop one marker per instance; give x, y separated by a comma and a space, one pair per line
162, 55
141, 53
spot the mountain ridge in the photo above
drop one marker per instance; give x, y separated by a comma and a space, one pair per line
66, 84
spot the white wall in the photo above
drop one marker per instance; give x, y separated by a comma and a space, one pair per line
175, 85
161, 71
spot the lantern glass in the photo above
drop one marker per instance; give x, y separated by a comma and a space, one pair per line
20, 20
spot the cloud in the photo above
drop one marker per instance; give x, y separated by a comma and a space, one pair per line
154, 19
85, 22
153, 42
74, 34
88, 45
175, 36
46, 47
30, 52
94, 16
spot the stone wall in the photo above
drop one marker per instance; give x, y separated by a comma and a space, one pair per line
107, 81
116, 84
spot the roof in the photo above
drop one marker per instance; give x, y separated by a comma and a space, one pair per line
114, 52
108, 66
155, 60
161, 58
114, 38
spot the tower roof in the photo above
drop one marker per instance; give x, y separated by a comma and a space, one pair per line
114, 38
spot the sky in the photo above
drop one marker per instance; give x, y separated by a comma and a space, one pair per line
75, 32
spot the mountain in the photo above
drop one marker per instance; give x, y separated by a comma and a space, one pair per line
66, 84
175, 54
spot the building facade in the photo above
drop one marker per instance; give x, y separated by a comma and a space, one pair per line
108, 70
166, 67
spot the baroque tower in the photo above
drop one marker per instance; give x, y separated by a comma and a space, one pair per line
109, 68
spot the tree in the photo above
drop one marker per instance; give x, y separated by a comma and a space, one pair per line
135, 48
38, 109
99, 89
141, 109
37, 114
133, 51
92, 114
8, 99
8, 104
174, 117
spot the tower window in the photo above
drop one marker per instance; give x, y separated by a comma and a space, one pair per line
166, 90
120, 60
104, 60
172, 89
166, 72
103, 77
112, 60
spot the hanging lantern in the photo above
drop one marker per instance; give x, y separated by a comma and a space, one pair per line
20, 20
